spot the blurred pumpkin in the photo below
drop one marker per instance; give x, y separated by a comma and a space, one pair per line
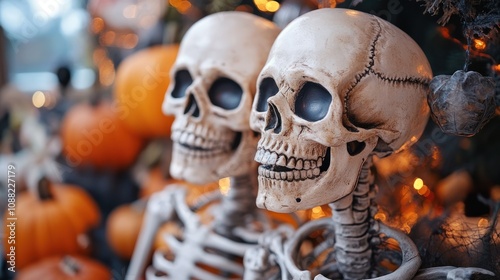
92, 135
53, 220
123, 227
140, 85
65, 268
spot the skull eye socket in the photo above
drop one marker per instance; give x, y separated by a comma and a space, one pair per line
182, 81
225, 93
312, 102
267, 89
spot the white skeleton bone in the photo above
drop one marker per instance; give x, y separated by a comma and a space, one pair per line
352, 251
211, 95
339, 86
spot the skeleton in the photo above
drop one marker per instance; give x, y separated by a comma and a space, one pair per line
211, 96
339, 86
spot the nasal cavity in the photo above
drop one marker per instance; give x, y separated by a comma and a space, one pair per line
355, 147
274, 119
192, 107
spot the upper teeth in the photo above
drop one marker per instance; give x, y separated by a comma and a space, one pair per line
192, 140
266, 157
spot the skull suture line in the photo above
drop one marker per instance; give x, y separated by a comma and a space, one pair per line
211, 96
335, 89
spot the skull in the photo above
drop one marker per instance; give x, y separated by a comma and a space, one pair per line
338, 86
211, 95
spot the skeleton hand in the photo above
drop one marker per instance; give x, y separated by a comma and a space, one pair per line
262, 262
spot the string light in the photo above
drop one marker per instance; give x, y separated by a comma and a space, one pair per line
418, 184
479, 44
267, 5
97, 25
272, 6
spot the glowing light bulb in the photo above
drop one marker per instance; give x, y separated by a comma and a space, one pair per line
418, 184
479, 44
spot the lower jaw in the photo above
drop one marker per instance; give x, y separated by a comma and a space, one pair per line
268, 201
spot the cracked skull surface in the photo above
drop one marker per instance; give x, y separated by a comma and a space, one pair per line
211, 95
338, 86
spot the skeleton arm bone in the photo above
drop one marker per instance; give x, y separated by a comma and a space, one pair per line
158, 211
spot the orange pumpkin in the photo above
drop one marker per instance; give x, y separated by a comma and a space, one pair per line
123, 228
140, 85
65, 268
51, 221
92, 135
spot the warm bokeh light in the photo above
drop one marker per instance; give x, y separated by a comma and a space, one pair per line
272, 6
380, 216
267, 5
445, 32
418, 184
129, 41
175, 3
106, 72
482, 223
224, 185
317, 213
130, 11
182, 6
38, 99
496, 68
97, 25
108, 38
479, 44
261, 5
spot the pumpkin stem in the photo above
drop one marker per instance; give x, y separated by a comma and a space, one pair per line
70, 266
44, 190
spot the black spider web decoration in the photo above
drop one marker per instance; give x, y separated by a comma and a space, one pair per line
480, 18
460, 241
